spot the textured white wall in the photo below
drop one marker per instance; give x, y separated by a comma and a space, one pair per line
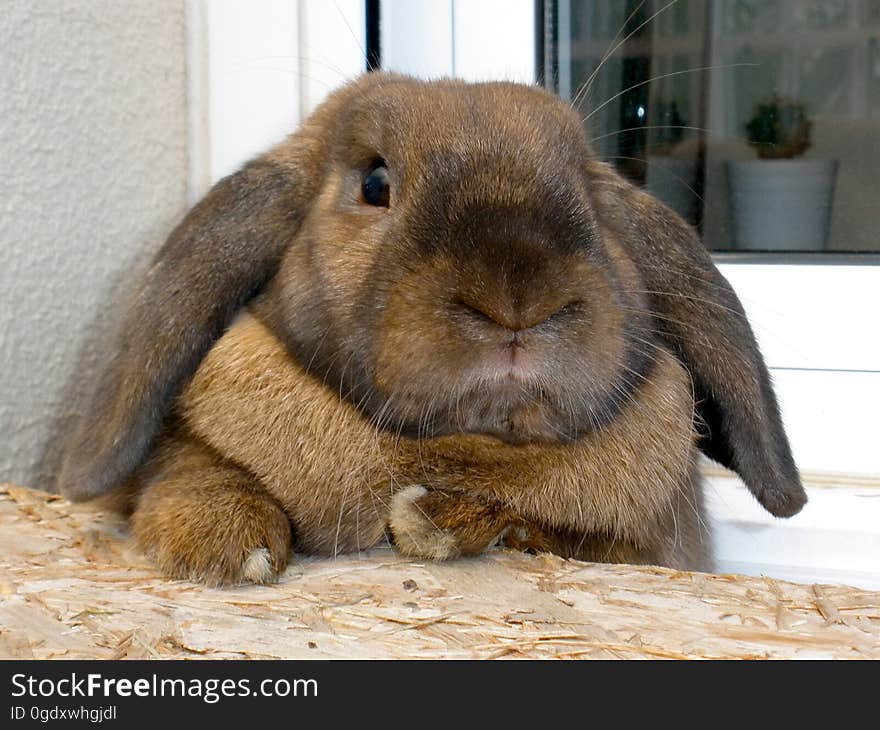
92, 178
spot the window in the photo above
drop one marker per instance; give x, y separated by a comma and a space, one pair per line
758, 121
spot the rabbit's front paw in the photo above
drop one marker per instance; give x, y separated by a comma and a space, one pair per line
214, 533
439, 525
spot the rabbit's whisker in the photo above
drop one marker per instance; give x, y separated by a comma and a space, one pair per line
342, 377
300, 59
609, 54
351, 32
342, 503
671, 74
660, 166
647, 126
609, 51
701, 280
689, 297
317, 348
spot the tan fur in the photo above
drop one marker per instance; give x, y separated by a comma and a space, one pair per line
335, 476
203, 518
417, 532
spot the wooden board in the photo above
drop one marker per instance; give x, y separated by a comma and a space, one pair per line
72, 586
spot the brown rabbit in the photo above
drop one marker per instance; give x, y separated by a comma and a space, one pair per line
460, 328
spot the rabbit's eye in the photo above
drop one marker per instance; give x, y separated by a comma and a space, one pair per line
375, 188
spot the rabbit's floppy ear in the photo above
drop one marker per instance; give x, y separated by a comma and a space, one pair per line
700, 316
218, 257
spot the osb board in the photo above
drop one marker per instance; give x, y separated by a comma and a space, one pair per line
72, 587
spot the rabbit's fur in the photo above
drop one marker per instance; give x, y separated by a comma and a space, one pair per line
516, 349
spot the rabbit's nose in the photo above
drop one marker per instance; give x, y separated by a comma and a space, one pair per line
518, 319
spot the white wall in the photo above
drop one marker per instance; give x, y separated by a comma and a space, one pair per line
93, 168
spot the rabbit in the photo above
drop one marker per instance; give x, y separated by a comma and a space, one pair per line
431, 316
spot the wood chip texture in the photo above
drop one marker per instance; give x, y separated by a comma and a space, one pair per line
72, 586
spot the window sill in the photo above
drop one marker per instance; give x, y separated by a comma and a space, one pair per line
835, 539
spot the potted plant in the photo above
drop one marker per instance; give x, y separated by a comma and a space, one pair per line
780, 202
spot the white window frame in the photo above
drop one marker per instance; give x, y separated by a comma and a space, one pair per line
257, 69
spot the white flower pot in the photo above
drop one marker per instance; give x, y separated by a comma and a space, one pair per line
781, 205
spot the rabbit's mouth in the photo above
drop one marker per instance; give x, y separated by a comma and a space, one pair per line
549, 382
511, 406
508, 402
520, 421
524, 422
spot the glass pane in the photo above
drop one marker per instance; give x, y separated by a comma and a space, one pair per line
756, 120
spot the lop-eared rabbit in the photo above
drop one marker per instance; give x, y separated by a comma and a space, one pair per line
430, 315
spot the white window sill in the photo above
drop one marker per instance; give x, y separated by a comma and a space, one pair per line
835, 539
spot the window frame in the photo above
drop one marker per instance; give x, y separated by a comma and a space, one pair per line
256, 70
